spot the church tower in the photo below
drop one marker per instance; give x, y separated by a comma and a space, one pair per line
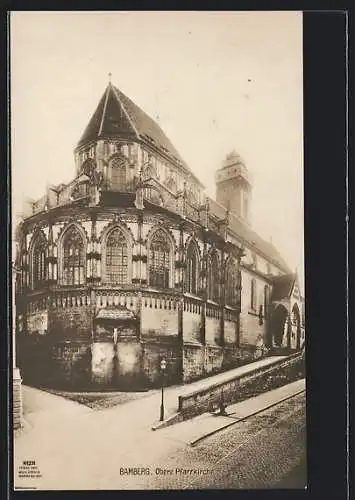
233, 187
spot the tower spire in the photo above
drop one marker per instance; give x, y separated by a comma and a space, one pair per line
109, 78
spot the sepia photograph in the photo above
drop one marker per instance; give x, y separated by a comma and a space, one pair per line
158, 301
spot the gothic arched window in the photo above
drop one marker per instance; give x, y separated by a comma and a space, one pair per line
73, 257
252, 294
118, 174
80, 190
231, 283
159, 260
116, 257
171, 184
39, 268
191, 197
213, 278
192, 274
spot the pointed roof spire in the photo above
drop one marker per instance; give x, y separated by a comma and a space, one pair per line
110, 119
117, 116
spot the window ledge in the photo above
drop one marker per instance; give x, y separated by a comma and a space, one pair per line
230, 308
192, 296
212, 303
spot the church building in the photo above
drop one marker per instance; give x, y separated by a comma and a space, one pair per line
131, 263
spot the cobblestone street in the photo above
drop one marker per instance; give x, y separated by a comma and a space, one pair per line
110, 441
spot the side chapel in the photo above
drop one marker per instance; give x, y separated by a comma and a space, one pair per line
132, 262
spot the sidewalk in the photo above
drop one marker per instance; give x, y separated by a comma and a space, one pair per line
75, 447
78, 448
196, 428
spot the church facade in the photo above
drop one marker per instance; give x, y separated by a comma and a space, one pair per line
131, 263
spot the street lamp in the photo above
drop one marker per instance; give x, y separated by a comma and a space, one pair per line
162, 368
16, 378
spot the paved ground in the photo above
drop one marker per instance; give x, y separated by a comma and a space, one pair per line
265, 451
75, 447
193, 430
99, 400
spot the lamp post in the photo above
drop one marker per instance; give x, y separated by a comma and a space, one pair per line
162, 368
17, 392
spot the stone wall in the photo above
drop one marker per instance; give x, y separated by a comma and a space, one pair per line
191, 326
17, 408
116, 365
236, 388
159, 321
34, 358
153, 351
213, 359
213, 330
193, 361
203, 360
71, 323
102, 363
230, 335
70, 365
251, 332
129, 356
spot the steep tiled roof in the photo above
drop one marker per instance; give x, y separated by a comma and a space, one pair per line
116, 114
109, 119
282, 286
250, 237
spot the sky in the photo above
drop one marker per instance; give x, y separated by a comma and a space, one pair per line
214, 81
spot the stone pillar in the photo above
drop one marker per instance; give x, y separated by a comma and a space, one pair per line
52, 260
17, 407
222, 293
93, 255
180, 285
203, 284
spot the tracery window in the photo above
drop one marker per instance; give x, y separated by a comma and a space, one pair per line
39, 269
252, 294
213, 278
81, 190
192, 274
116, 257
73, 257
191, 197
133, 154
149, 172
159, 260
231, 283
118, 174
88, 167
171, 184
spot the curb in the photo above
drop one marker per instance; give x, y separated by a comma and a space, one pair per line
174, 419
196, 441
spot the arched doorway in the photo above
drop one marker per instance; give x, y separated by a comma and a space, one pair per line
278, 322
296, 325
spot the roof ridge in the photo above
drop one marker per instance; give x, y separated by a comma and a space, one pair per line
104, 110
171, 150
115, 91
